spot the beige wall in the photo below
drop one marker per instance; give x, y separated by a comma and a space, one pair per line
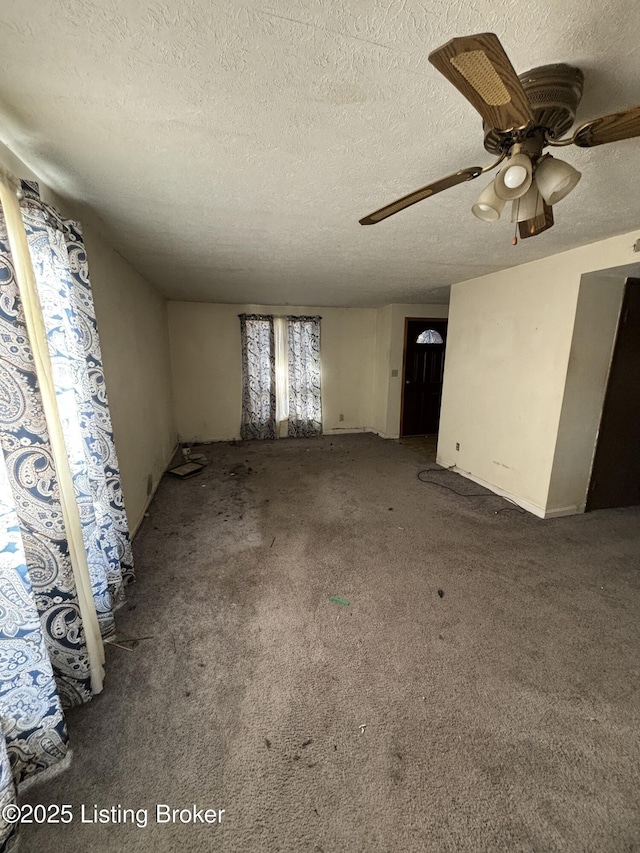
134, 336
207, 366
507, 365
132, 322
382, 370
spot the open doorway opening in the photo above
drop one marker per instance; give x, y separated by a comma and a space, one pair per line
615, 476
422, 374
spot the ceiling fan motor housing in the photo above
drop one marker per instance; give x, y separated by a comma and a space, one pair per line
554, 92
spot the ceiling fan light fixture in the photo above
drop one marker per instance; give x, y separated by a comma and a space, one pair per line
555, 179
522, 115
515, 178
489, 205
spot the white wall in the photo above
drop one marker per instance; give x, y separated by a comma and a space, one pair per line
510, 339
207, 366
132, 322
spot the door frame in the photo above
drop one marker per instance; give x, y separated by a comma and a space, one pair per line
404, 355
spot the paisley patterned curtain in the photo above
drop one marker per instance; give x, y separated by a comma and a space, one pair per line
305, 402
45, 662
33, 726
258, 377
60, 265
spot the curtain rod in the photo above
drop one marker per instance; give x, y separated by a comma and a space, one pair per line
279, 316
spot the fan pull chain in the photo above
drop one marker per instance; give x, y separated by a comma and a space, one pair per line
514, 242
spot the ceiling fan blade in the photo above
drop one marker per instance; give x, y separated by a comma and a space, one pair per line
479, 68
625, 124
430, 189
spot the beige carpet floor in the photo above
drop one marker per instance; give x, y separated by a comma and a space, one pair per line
500, 715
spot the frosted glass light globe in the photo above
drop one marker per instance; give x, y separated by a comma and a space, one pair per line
489, 206
515, 179
555, 179
515, 176
485, 212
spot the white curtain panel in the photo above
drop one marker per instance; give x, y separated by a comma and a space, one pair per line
258, 377
305, 399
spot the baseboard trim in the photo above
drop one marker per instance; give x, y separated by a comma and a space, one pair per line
384, 435
140, 519
333, 431
561, 512
534, 509
345, 430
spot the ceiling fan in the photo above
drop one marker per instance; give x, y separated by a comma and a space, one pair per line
522, 115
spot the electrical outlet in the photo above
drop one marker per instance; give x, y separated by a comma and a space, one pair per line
457, 445
394, 372
340, 417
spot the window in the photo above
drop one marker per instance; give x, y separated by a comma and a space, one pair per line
281, 376
429, 336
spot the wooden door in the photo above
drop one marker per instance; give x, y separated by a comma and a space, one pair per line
615, 478
423, 371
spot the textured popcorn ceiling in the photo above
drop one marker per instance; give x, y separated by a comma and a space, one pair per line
228, 149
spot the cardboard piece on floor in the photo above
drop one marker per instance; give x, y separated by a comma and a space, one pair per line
189, 469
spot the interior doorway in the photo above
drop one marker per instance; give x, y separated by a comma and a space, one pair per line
422, 375
615, 476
